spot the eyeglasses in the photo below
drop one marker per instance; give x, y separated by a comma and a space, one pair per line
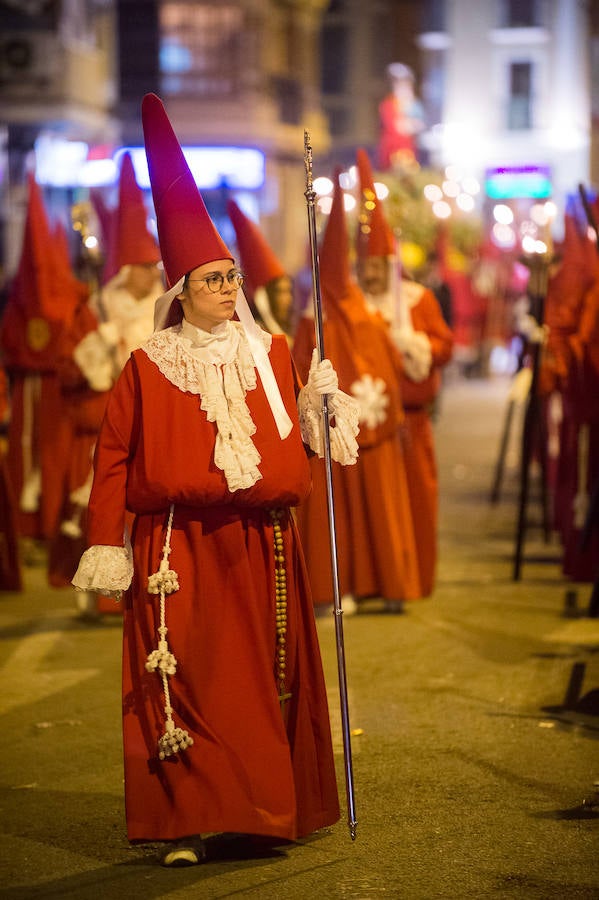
215, 282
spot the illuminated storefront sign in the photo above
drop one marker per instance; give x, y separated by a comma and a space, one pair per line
240, 168
510, 182
61, 163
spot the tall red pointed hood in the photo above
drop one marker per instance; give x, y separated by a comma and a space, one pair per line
576, 272
103, 213
43, 296
341, 295
61, 246
374, 237
335, 275
32, 284
106, 218
133, 242
71, 288
188, 237
257, 259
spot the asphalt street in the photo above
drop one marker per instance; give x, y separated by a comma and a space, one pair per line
475, 719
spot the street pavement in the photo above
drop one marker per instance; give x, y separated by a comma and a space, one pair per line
475, 720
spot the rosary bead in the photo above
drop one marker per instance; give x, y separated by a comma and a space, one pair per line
280, 576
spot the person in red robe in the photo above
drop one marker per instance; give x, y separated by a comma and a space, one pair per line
84, 399
266, 284
118, 318
375, 535
40, 306
131, 278
568, 372
225, 718
10, 563
420, 332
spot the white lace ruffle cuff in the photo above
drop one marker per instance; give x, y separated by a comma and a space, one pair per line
92, 355
415, 347
345, 410
104, 569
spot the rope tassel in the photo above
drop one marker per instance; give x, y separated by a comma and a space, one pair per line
165, 581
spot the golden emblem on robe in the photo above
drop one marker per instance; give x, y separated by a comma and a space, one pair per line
38, 334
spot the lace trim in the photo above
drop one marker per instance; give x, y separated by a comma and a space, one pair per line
373, 399
94, 359
105, 569
415, 348
345, 410
222, 390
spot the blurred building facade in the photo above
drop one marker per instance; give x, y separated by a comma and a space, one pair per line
514, 86
240, 74
510, 87
358, 41
57, 82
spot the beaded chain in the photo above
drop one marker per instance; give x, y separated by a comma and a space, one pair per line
280, 605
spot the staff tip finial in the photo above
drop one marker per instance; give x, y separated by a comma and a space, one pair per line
308, 158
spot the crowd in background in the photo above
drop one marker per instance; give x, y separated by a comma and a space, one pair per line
66, 335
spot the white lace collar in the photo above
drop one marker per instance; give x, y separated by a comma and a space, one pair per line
219, 367
408, 295
217, 346
383, 304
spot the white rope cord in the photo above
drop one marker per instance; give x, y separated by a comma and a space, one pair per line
31, 488
165, 581
581, 500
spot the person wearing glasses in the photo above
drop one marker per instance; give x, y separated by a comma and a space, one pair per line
206, 441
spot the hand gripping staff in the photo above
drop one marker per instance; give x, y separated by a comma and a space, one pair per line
310, 196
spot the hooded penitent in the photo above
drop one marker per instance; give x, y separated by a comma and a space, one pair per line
41, 307
368, 365
105, 216
187, 234
356, 341
566, 290
374, 237
130, 242
43, 296
258, 261
189, 239
259, 264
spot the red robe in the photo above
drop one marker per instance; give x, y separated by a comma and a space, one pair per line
570, 365
10, 565
250, 769
375, 536
40, 304
577, 476
417, 436
84, 410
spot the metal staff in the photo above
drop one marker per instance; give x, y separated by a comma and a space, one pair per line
310, 196
589, 213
